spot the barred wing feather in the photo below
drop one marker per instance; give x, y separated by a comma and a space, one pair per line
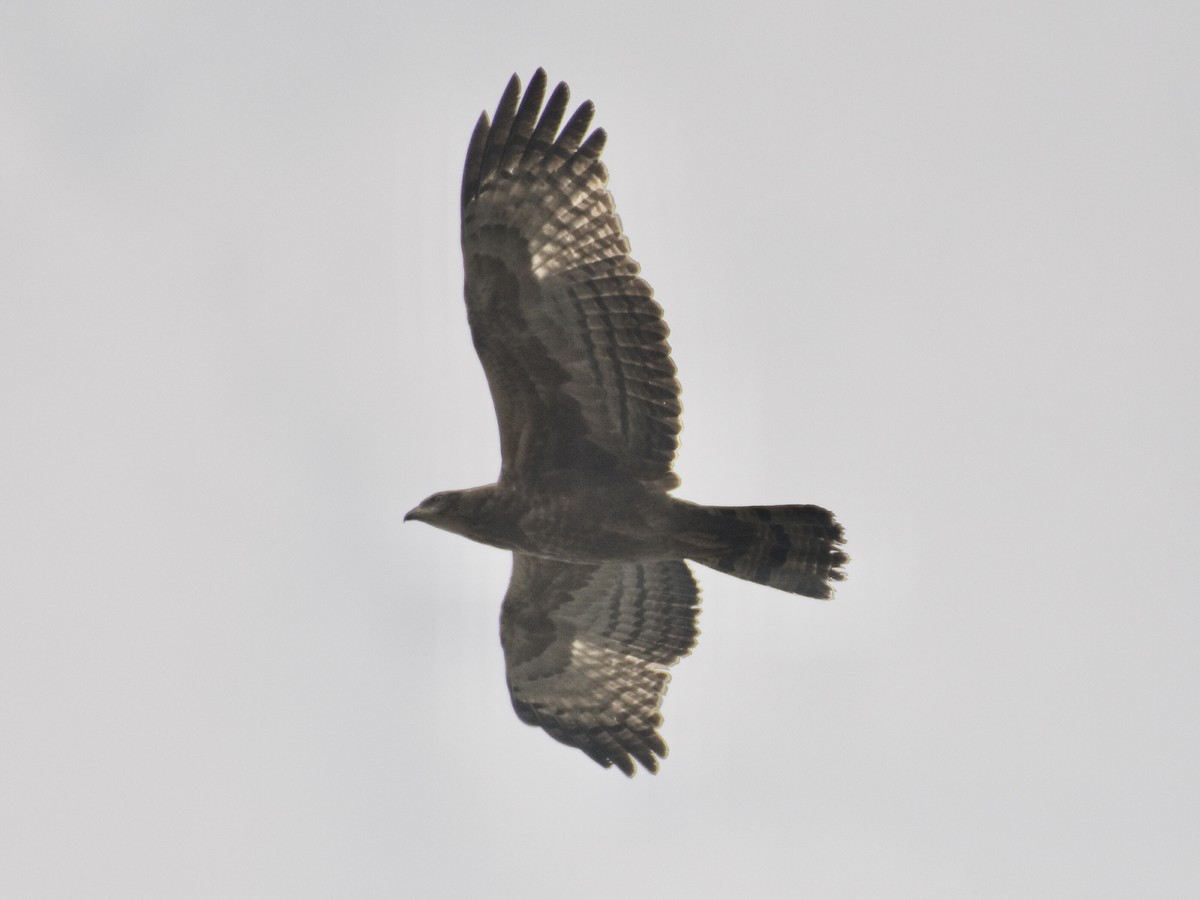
573, 344
587, 649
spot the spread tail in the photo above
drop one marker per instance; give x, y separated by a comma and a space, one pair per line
792, 548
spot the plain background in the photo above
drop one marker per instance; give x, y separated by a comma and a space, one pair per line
933, 265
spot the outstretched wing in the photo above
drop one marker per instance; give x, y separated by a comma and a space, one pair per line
573, 344
587, 648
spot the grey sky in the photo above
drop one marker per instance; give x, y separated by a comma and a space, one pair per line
931, 265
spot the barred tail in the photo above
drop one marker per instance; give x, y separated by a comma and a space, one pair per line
792, 548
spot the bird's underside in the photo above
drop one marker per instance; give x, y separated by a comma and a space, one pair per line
601, 602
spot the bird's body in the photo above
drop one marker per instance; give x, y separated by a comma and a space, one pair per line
570, 518
601, 602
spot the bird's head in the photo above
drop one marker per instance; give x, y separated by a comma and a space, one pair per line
435, 508
454, 511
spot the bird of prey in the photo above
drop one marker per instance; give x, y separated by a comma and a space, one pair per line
601, 602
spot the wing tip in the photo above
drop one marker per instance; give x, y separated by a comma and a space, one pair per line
626, 758
473, 167
526, 125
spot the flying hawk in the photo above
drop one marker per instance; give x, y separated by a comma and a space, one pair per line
601, 602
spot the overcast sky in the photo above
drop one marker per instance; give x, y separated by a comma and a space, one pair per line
933, 265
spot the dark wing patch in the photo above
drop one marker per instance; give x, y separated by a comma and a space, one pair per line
573, 344
587, 649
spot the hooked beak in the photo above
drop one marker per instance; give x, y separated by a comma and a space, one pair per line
412, 514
